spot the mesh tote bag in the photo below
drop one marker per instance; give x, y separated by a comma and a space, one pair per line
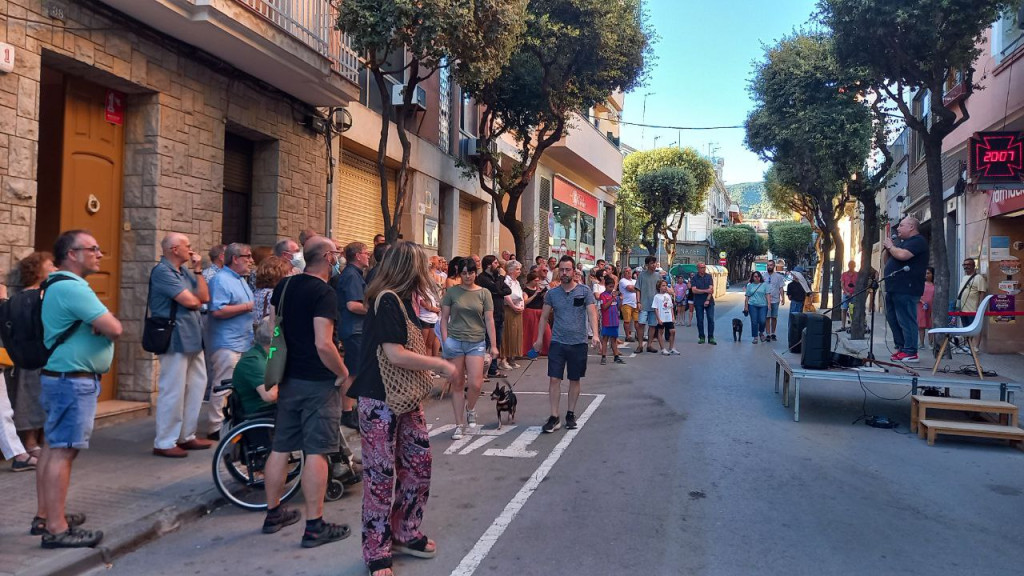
404, 389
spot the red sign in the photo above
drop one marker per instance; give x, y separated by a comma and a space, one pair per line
114, 107
1003, 201
568, 193
996, 157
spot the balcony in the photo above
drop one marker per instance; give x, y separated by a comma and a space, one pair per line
588, 152
289, 44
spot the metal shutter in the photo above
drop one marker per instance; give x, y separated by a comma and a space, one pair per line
466, 228
236, 204
357, 216
543, 236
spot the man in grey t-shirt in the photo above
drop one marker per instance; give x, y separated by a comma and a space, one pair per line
647, 285
571, 304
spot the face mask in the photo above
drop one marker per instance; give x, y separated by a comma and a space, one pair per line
298, 261
336, 268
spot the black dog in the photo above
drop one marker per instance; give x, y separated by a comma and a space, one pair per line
737, 329
505, 401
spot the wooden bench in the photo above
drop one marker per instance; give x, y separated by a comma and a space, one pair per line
919, 406
932, 428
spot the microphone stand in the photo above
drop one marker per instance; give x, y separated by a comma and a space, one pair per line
872, 285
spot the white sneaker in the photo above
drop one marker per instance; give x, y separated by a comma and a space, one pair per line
504, 365
674, 352
471, 418
665, 352
458, 433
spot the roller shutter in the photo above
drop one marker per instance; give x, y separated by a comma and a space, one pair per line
467, 227
357, 216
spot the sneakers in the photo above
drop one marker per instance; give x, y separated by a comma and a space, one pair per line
754, 341
325, 533
279, 518
712, 342
73, 538
471, 418
700, 340
665, 352
459, 432
774, 338
551, 425
905, 358
619, 360
604, 360
674, 352
570, 421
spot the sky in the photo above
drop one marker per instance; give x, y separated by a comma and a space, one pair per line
705, 56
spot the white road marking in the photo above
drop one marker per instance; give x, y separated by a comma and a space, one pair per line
439, 429
518, 448
483, 546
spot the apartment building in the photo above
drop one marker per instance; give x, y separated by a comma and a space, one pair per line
135, 118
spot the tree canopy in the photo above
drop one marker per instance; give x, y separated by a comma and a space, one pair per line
573, 55
662, 192
741, 244
789, 240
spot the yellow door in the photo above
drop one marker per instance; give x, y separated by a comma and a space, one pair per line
466, 228
357, 214
93, 152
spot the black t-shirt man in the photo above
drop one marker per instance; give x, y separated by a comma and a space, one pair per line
307, 297
911, 282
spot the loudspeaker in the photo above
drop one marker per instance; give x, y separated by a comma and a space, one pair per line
797, 323
817, 353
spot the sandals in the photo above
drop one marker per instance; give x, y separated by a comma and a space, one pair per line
422, 547
74, 520
24, 465
327, 533
73, 538
498, 374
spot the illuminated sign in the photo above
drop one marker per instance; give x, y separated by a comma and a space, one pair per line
568, 193
996, 157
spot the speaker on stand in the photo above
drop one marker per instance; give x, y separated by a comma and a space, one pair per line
817, 345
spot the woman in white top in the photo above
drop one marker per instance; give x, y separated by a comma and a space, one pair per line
512, 336
427, 309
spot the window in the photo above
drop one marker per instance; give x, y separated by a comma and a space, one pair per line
587, 229
467, 116
922, 108
444, 110
1007, 33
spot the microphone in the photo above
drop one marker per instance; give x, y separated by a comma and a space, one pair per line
897, 271
904, 269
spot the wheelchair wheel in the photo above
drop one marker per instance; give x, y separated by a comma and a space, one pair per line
335, 490
238, 465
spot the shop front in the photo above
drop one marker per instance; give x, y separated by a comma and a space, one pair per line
572, 226
1005, 334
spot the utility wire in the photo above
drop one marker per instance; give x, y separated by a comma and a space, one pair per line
615, 121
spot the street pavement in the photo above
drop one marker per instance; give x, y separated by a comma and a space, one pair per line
681, 465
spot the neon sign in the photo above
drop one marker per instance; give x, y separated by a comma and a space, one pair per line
997, 157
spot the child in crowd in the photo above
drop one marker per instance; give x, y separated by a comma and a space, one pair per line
681, 287
664, 305
609, 299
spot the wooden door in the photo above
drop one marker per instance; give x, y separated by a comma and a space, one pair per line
93, 151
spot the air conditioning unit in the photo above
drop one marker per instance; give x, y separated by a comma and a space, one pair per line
472, 147
419, 99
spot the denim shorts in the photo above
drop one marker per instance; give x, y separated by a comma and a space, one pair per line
649, 317
844, 304
70, 405
453, 348
773, 310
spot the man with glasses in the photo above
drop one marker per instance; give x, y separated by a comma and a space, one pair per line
177, 288
230, 326
290, 252
70, 382
971, 291
573, 305
352, 310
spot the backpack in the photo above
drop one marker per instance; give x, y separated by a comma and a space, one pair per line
21, 327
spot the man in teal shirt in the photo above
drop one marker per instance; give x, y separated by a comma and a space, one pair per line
247, 378
71, 383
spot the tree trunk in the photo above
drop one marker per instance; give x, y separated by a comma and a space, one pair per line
867, 242
937, 246
826, 270
837, 271
383, 88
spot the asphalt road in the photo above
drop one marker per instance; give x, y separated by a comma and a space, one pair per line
684, 465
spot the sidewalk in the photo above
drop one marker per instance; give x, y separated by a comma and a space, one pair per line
125, 491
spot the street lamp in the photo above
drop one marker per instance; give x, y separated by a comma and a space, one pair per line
656, 141
643, 117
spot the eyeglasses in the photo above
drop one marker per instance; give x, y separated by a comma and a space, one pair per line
245, 256
94, 249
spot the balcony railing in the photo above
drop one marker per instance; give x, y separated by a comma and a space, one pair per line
312, 22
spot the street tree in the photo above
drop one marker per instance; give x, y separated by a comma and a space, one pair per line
789, 240
663, 192
573, 55
410, 40
914, 46
815, 131
629, 219
742, 244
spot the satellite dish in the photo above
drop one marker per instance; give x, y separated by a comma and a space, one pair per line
341, 120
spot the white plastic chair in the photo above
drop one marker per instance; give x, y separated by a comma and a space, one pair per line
969, 333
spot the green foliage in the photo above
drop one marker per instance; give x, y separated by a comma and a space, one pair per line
746, 194
735, 240
662, 192
699, 167
789, 240
629, 220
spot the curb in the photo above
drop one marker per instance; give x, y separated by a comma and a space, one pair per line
128, 537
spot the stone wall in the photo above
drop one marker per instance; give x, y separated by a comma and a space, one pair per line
179, 105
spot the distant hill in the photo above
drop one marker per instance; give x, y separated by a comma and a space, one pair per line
747, 194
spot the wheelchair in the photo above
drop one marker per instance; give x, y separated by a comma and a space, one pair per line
242, 453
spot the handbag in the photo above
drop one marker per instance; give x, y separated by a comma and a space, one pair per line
404, 389
157, 331
277, 354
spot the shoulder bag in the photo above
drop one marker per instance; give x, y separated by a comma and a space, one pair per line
277, 354
404, 389
156, 331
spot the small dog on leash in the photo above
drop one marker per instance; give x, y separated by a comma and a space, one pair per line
737, 329
505, 401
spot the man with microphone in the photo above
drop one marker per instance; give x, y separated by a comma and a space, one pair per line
904, 284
